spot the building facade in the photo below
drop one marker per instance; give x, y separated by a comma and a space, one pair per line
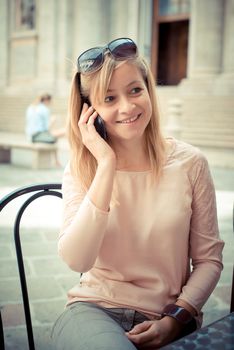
41, 39
189, 44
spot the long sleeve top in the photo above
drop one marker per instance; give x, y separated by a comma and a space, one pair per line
159, 242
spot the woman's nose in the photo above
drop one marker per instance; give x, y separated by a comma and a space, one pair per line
126, 105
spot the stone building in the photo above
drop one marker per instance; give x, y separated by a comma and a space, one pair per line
189, 43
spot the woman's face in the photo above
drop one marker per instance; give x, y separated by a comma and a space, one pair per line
127, 108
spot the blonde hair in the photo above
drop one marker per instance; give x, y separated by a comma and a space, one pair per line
83, 164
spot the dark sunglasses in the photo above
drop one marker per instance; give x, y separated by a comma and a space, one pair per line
120, 49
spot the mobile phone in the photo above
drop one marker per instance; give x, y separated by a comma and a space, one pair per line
100, 127
98, 123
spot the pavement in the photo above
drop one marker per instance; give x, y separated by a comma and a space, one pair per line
49, 279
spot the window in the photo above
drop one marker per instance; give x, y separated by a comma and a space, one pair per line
173, 7
24, 15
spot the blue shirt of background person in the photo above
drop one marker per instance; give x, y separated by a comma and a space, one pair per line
38, 116
37, 119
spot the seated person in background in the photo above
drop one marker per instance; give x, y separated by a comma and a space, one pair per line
39, 122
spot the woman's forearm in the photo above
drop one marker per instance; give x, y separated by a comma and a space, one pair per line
80, 243
100, 191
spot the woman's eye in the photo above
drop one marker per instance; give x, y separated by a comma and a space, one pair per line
109, 98
136, 90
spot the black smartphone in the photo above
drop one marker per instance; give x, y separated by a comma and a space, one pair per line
100, 127
98, 123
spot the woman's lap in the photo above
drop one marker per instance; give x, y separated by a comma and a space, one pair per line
86, 326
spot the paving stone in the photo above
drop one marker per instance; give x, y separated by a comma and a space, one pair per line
223, 293
51, 235
213, 315
211, 303
48, 311
44, 288
35, 249
223, 178
49, 266
6, 235
26, 235
67, 282
12, 315
8, 268
10, 290
228, 254
15, 338
226, 275
42, 338
5, 251
226, 225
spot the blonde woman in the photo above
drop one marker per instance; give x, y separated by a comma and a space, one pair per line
139, 210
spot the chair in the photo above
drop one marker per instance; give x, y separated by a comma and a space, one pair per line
38, 191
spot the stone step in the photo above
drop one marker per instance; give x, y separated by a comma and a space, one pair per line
216, 124
209, 132
212, 142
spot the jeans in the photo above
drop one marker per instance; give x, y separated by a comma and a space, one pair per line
87, 326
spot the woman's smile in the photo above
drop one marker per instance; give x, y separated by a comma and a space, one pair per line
129, 120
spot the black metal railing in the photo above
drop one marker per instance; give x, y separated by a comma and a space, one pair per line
39, 190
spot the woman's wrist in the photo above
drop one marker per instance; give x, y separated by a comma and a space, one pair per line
174, 326
108, 163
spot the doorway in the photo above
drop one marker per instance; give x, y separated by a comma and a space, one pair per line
172, 52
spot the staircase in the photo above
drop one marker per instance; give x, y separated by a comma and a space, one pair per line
206, 122
209, 121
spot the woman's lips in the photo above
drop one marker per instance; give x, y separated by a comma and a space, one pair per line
129, 120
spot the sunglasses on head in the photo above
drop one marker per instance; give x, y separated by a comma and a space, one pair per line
120, 49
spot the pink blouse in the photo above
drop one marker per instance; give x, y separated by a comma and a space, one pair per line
158, 243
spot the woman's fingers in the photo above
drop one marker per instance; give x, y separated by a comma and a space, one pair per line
85, 113
86, 124
90, 137
92, 118
88, 115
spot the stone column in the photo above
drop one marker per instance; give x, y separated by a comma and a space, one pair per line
124, 19
46, 45
228, 43
91, 24
3, 44
145, 28
205, 38
224, 84
61, 61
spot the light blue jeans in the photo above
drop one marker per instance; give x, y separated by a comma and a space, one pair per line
86, 326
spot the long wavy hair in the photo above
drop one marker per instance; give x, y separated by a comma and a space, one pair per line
83, 164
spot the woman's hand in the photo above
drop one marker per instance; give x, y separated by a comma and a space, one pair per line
90, 137
150, 335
